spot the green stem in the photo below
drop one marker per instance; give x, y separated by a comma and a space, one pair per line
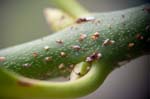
43, 56
79, 70
71, 7
115, 36
20, 87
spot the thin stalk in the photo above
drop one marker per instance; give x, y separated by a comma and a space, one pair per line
71, 7
20, 87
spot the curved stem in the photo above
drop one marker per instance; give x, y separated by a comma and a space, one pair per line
25, 87
120, 39
71, 7
114, 37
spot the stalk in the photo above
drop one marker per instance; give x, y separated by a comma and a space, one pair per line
20, 87
110, 39
71, 7
42, 58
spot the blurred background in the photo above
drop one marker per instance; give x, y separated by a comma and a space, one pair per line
23, 20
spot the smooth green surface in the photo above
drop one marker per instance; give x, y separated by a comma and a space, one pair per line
20, 87
72, 7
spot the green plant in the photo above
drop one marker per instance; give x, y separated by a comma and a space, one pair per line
89, 49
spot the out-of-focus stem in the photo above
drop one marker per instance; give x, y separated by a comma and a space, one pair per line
71, 7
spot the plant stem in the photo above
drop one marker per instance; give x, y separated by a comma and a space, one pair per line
20, 87
71, 7
43, 56
122, 36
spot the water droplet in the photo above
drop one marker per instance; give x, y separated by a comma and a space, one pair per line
2, 59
